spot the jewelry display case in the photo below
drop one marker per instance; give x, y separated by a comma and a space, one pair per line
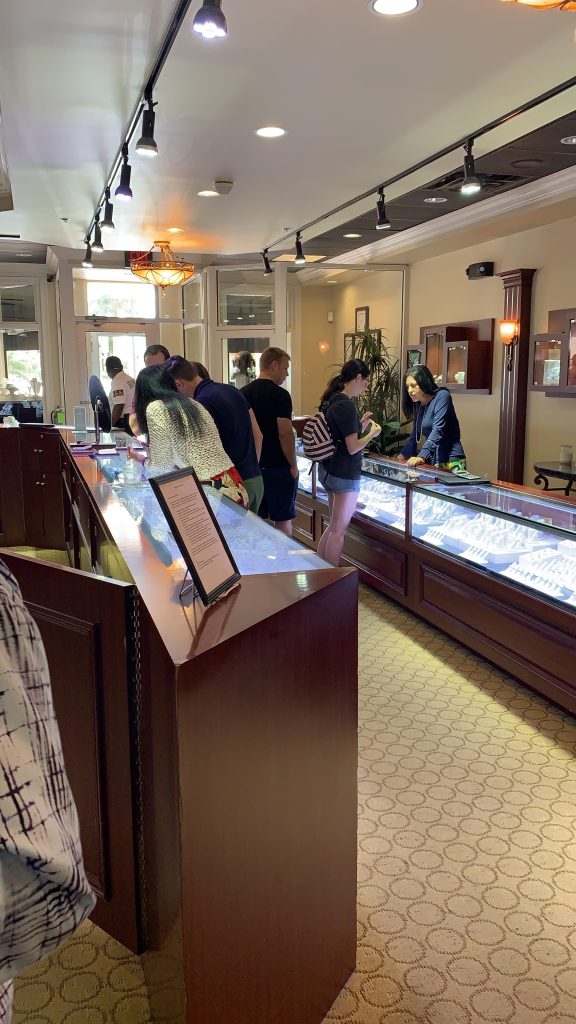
257, 548
514, 535
493, 566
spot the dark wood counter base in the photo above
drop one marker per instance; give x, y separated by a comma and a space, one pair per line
212, 754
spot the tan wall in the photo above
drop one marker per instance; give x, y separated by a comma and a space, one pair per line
317, 366
440, 293
381, 292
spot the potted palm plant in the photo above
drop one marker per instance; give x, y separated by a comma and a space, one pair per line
382, 396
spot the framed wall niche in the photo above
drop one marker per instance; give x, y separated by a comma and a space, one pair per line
459, 356
553, 356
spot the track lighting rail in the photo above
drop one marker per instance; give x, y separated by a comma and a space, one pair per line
465, 141
144, 98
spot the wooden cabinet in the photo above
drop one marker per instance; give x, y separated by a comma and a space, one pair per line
459, 356
87, 628
42, 488
11, 502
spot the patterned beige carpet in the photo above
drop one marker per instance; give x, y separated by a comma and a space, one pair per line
467, 854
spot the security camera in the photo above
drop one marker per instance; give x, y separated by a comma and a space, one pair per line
50, 278
477, 270
222, 187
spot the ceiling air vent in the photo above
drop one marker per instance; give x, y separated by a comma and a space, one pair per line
491, 183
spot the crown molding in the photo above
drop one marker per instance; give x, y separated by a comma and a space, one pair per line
536, 195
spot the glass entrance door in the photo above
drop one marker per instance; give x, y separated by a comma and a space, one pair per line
129, 347
95, 342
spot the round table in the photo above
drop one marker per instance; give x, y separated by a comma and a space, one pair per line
556, 471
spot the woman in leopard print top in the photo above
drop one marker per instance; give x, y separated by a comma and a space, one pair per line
181, 432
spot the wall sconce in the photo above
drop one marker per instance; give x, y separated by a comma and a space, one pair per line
509, 335
323, 347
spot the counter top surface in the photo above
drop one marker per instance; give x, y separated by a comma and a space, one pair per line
276, 571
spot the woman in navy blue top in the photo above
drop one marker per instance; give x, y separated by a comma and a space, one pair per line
435, 436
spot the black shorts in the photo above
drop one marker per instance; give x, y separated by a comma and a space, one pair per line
279, 495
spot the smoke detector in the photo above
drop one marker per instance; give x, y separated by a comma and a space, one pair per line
222, 187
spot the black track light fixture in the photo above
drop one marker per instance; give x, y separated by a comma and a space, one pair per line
209, 21
471, 183
97, 243
107, 224
124, 192
87, 261
300, 257
267, 268
146, 145
382, 222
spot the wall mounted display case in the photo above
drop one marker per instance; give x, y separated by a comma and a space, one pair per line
459, 356
553, 356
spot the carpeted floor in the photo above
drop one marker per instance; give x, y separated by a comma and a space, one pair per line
467, 854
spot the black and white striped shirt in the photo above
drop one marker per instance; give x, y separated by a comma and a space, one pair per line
44, 893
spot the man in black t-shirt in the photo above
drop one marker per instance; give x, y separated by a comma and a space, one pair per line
272, 407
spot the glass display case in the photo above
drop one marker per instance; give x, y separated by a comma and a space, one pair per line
307, 477
256, 546
382, 496
528, 541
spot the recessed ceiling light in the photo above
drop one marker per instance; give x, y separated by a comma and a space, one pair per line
570, 140
271, 132
528, 162
331, 281
174, 231
436, 199
208, 192
394, 7
352, 234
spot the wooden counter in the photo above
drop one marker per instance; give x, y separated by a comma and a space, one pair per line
212, 754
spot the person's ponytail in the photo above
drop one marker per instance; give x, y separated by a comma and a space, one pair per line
349, 371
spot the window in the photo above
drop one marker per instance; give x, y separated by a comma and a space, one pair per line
121, 298
245, 298
240, 359
20, 363
17, 303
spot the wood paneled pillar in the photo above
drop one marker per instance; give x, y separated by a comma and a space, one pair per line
512, 437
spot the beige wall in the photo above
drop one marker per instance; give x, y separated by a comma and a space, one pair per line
439, 293
381, 292
317, 366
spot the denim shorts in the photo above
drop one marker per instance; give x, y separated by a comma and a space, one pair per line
336, 484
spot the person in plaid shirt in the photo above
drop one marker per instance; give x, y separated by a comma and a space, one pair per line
44, 893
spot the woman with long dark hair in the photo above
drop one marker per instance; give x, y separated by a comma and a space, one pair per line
181, 432
340, 474
435, 436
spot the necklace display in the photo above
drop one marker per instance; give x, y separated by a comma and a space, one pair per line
420, 414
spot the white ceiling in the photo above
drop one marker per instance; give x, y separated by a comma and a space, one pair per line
362, 97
